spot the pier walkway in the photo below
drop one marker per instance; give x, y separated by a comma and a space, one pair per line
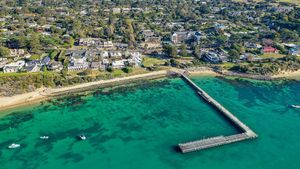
219, 140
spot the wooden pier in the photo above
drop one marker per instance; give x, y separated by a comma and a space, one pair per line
219, 140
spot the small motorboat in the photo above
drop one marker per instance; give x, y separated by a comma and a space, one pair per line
44, 137
13, 145
295, 106
82, 137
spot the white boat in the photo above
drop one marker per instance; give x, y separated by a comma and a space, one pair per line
295, 106
44, 137
82, 137
13, 145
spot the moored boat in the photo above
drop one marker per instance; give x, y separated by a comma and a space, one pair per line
295, 106
82, 137
13, 146
44, 137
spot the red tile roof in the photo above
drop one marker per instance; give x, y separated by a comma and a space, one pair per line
269, 49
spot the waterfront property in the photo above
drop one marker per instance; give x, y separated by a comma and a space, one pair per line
13, 67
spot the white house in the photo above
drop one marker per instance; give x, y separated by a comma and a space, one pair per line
295, 51
114, 54
118, 64
14, 66
181, 37
17, 52
136, 59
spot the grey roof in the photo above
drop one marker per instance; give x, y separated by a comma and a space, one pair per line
46, 60
29, 68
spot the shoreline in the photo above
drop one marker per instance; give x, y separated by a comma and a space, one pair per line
42, 94
288, 75
282, 75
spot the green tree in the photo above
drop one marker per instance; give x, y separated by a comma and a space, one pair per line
4, 52
53, 54
173, 52
44, 69
86, 72
233, 55
110, 69
170, 51
174, 62
34, 43
183, 51
197, 51
77, 28
127, 69
18, 42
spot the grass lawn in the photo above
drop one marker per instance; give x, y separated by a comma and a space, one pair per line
227, 65
149, 62
15, 74
117, 72
272, 55
35, 57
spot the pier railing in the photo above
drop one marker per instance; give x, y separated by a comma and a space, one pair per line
219, 140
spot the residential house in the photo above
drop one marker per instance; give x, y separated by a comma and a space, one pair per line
107, 44
136, 59
55, 66
211, 57
32, 68
116, 10
14, 67
17, 52
181, 37
121, 45
2, 63
77, 60
118, 64
295, 51
105, 63
97, 66
220, 27
126, 10
104, 54
252, 45
150, 37
43, 62
284, 9
3, 59
250, 57
115, 54
147, 33
270, 49
95, 42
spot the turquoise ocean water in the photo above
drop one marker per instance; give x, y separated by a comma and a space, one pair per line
138, 127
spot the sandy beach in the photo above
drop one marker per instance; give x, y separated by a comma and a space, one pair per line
46, 93
203, 73
288, 75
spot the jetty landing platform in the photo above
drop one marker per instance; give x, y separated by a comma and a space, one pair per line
219, 140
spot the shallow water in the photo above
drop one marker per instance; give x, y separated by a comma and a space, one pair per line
139, 127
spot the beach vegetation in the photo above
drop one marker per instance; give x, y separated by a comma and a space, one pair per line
287, 64
127, 69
